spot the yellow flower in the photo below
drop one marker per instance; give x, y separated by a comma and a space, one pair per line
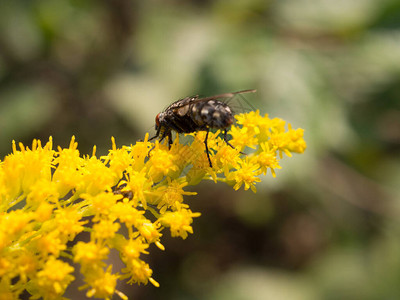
54, 278
139, 153
139, 183
51, 243
124, 199
5, 266
171, 194
42, 190
138, 272
118, 159
25, 264
68, 222
250, 121
267, 159
150, 231
179, 221
15, 223
43, 212
102, 203
96, 177
67, 174
161, 163
89, 253
243, 137
127, 214
24, 168
104, 229
227, 158
296, 141
102, 284
132, 248
247, 174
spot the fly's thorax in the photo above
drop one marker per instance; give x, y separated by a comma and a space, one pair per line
183, 111
213, 114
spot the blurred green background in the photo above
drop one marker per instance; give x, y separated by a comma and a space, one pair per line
328, 226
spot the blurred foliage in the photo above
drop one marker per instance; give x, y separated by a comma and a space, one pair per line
328, 226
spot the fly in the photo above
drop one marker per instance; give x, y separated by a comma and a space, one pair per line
193, 114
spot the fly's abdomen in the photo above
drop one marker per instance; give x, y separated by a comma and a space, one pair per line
212, 114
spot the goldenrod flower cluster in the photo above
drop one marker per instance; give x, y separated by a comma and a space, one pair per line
123, 200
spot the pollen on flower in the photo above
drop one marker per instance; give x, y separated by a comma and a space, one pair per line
124, 201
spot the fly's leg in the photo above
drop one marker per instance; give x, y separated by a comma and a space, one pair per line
152, 138
163, 136
157, 134
169, 135
207, 151
227, 142
151, 149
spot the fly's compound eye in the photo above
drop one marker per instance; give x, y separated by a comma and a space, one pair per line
158, 120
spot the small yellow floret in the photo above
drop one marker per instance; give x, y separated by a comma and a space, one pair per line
89, 253
54, 278
102, 285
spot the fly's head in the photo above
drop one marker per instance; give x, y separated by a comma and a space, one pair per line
161, 122
161, 125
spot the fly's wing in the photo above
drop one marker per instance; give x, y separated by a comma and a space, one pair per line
226, 97
222, 96
239, 103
